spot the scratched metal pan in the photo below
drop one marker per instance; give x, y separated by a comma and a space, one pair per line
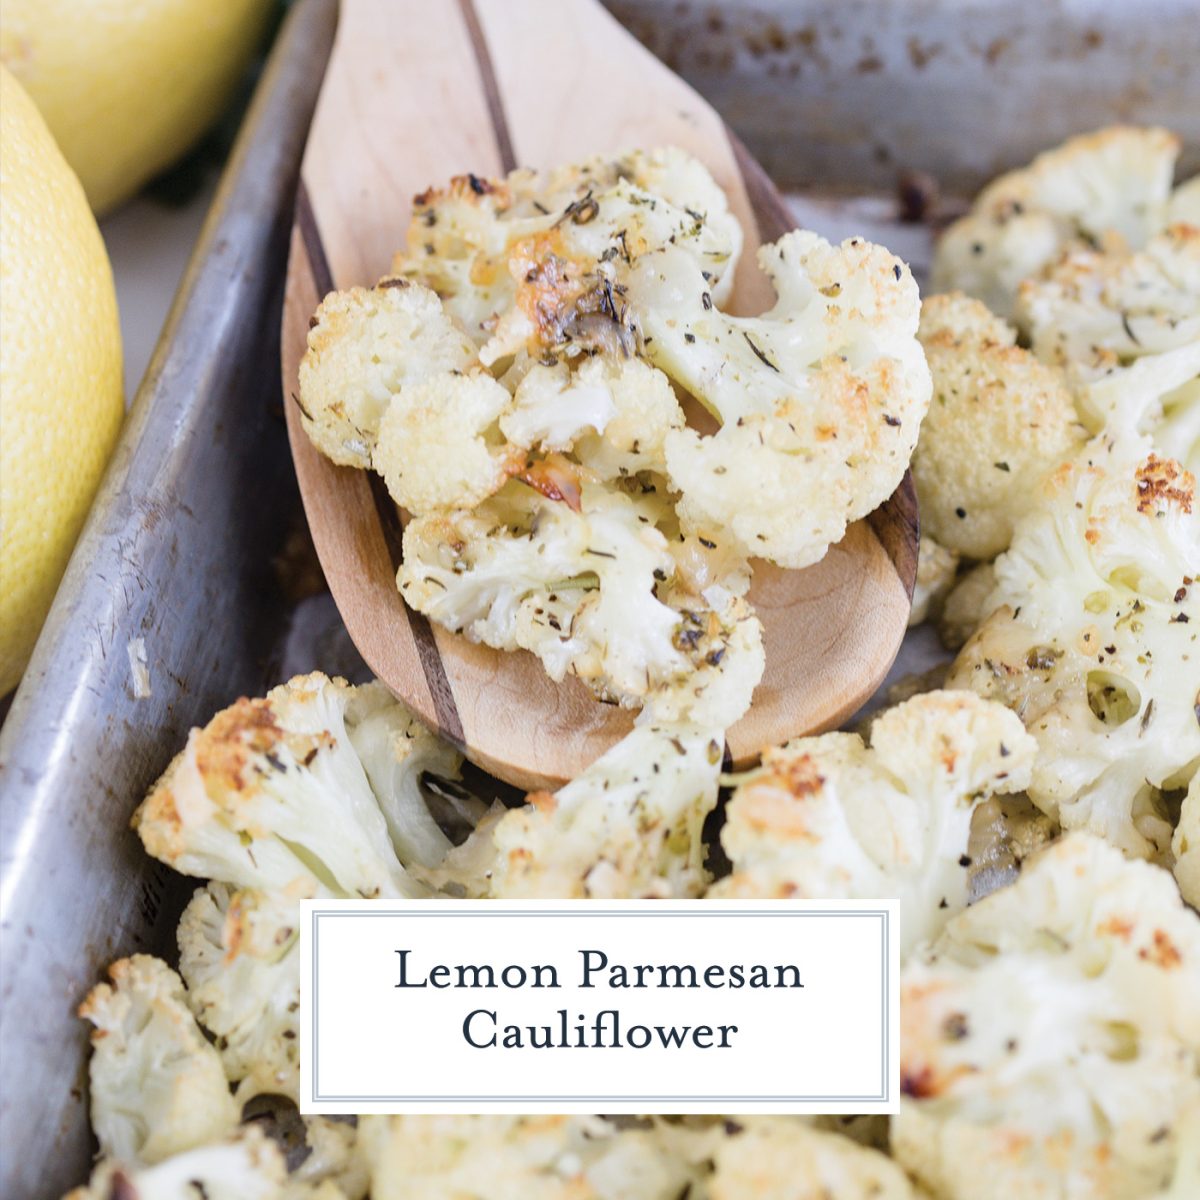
836, 96
849, 92
178, 552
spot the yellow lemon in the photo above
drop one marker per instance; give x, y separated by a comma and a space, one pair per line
126, 86
60, 370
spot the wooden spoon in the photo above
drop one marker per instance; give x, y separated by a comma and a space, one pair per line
414, 93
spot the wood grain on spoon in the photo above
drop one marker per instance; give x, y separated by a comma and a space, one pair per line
415, 93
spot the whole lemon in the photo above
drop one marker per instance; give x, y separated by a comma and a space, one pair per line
60, 370
127, 86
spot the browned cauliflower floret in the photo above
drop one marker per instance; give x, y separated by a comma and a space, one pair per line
1127, 329
571, 277
309, 791
157, 1086
440, 447
1093, 638
465, 240
629, 826
580, 575
998, 421
239, 953
832, 816
1109, 188
366, 346
1050, 1037
820, 398
615, 413
1092, 311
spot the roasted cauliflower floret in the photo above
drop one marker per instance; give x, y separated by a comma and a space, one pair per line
1109, 188
439, 445
365, 347
571, 279
629, 826
1092, 311
273, 794
398, 754
1158, 395
456, 245
239, 954
1127, 328
831, 816
723, 639
571, 571
157, 1086
685, 182
1094, 640
519, 1158
1050, 1037
543, 468
1176, 433
1185, 845
614, 413
471, 242
819, 399
246, 1166
998, 421
585, 1158
554, 406
781, 1157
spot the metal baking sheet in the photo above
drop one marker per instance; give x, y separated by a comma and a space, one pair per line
178, 551
848, 92
189, 545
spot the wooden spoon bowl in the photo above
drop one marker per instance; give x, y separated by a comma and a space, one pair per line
415, 93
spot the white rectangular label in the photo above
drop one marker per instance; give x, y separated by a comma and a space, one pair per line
588, 1006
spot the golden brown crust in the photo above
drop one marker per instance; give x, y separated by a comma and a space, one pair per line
1161, 482
998, 421
469, 187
